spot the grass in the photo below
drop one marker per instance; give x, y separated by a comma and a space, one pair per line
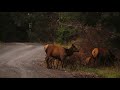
106, 72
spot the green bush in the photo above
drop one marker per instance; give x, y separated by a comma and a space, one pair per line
64, 34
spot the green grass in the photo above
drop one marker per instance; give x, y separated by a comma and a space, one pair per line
105, 72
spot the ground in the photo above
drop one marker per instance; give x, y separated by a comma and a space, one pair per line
27, 60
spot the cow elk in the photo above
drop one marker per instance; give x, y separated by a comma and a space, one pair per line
103, 56
58, 52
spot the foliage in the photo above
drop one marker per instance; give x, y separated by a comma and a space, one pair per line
99, 28
105, 72
64, 34
86, 29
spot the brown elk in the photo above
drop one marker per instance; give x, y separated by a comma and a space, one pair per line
58, 52
102, 56
78, 57
87, 60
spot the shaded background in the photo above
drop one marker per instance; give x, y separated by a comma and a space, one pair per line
93, 29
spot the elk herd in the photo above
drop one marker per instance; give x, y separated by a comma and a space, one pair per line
60, 57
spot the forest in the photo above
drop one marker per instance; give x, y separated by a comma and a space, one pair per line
87, 30
93, 29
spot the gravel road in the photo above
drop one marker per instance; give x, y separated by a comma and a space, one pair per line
27, 60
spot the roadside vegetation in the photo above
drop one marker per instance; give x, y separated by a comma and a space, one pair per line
87, 30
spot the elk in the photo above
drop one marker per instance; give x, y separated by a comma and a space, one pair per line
87, 60
102, 56
58, 52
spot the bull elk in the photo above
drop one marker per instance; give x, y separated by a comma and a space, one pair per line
58, 52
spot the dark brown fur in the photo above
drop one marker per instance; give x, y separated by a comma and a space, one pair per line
103, 56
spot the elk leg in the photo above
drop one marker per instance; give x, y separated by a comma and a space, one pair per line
47, 61
56, 64
59, 64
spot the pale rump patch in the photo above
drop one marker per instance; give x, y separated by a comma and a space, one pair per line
45, 47
95, 52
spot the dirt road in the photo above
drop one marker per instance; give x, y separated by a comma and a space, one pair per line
26, 60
